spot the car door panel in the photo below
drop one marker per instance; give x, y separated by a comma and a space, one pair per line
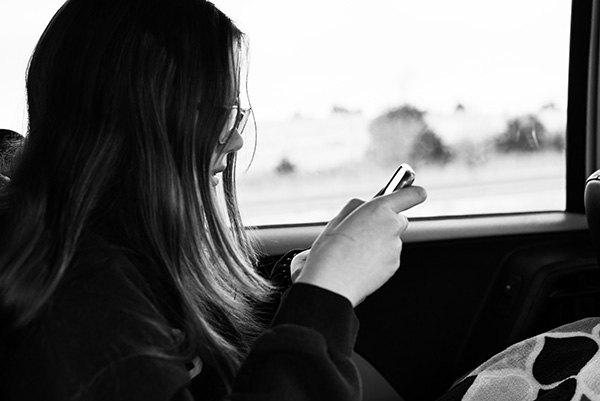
457, 300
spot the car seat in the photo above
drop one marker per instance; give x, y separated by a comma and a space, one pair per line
9, 144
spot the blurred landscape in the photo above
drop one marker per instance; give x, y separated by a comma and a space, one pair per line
305, 170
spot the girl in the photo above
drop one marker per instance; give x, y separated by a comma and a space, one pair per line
120, 277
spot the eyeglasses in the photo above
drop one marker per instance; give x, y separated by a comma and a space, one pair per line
238, 117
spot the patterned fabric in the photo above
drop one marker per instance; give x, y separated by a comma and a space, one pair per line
562, 364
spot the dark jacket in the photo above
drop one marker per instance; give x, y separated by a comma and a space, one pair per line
83, 347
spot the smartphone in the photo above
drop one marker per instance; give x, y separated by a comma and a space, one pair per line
403, 177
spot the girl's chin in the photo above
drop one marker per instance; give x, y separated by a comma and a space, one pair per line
215, 179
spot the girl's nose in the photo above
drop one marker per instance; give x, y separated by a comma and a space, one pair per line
235, 142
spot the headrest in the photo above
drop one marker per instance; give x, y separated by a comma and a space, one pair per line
10, 141
9, 135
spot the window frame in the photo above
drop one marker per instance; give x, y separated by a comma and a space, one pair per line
582, 157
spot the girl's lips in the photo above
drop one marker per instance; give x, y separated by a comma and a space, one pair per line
219, 166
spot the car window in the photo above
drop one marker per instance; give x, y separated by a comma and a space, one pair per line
21, 25
472, 94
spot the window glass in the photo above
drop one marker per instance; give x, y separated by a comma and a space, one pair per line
21, 24
471, 93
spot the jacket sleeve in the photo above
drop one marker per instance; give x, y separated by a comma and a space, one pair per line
306, 354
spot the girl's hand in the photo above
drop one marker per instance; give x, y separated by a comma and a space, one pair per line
359, 250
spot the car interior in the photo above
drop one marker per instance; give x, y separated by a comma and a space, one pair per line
470, 283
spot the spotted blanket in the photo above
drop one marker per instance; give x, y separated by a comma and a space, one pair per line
562, 364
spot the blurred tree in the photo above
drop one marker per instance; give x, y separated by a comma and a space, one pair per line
557, 141
394, 133
429, 148
285, 167
402, 135
523, 134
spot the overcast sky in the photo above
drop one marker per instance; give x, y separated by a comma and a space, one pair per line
492, 56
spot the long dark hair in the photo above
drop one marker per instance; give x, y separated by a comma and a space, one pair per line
125, 109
